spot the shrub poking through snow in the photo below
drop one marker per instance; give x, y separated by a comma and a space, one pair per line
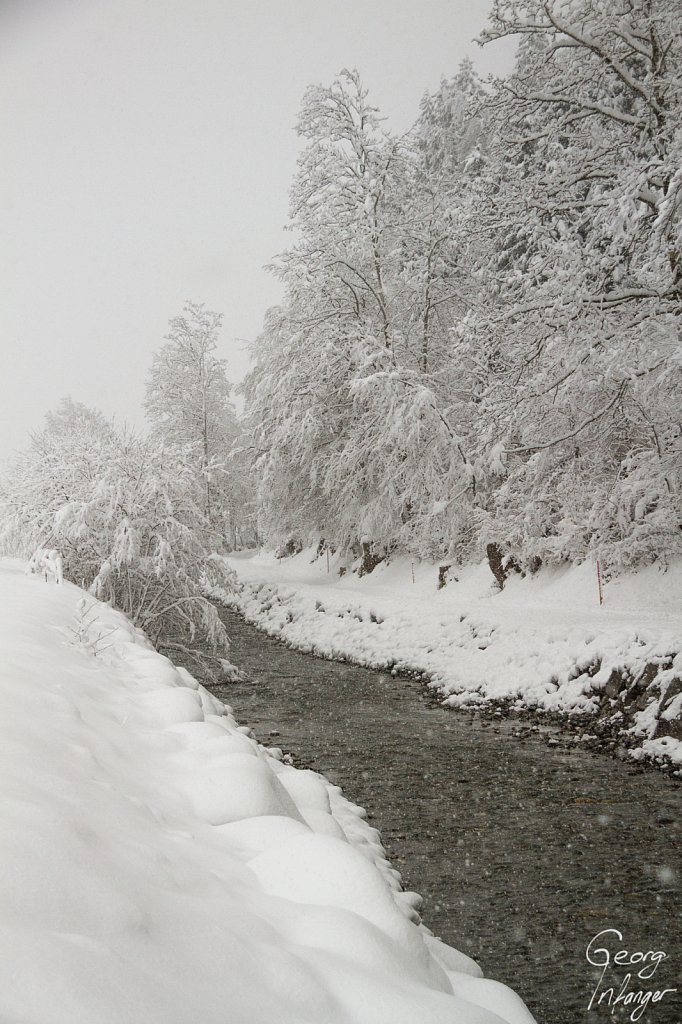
87, 631
47, 561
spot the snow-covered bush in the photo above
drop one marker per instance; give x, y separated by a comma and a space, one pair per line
127, 515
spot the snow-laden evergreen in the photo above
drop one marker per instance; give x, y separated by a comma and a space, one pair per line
188, 403
480, 338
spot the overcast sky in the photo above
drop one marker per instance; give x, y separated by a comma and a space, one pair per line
148, 149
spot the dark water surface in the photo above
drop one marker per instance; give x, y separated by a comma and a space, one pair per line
523, 852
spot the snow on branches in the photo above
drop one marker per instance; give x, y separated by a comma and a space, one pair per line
127, 515
480, 336
189, 407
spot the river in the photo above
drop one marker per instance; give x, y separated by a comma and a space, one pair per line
523, 846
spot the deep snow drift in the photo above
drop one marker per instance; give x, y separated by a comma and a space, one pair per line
544, 642
160, 867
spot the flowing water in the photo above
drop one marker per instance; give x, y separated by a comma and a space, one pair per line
524, 848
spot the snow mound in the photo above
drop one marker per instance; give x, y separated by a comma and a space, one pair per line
161, 867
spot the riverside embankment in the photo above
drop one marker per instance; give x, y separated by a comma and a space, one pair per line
523, 846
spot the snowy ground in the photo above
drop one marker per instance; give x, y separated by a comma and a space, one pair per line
543, 643
160, 867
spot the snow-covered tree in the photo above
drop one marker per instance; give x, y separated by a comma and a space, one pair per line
480, 338
127, 516
349, 414
449, 129
582, 215
189, 407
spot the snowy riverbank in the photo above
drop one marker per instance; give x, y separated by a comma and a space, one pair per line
544, 643
161, 866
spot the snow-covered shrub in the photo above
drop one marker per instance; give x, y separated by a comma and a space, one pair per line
128, 516
87, 632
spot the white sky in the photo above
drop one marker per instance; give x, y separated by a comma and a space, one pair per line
148, 153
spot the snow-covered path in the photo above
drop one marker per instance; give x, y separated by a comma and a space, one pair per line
544, 642
158, 866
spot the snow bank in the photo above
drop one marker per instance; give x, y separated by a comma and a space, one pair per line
158, 865
544, 642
